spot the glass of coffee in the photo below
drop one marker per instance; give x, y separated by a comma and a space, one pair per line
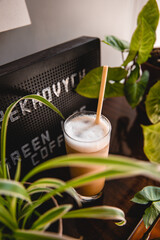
83, 136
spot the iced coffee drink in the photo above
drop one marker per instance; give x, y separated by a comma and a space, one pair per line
84, 136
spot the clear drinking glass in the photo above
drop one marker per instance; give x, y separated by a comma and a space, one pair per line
83, 136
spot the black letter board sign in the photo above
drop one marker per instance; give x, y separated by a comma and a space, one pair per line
34, 131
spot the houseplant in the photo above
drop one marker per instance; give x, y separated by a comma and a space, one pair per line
150, 195
20, 200
128, 79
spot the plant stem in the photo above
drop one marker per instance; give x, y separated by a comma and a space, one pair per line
122, 56
146, 234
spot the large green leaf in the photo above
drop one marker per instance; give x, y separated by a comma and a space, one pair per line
40, 235
116, 43
146, 40
113, 162
147, 194
14, 189
100, 212
153, 103
152, 142
142, 43
150, 13
89, 86
50, 216
5, 124
135, 87
143, 38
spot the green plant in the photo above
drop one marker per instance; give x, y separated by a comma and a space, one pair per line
135, 81
128, 79
152, 132
151, 194
20, 200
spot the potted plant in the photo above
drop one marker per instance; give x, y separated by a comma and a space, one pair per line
130, 81
150, 195
20, 200
149, 225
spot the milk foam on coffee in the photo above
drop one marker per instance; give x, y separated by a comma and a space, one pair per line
83, 135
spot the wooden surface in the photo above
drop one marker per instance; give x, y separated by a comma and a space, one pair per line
126, 140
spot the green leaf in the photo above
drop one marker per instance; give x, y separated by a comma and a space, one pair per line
3, 201
126, 168
131, 56
89, 86
150, 13
135, 87
147, 39
34, 235
109, 174
6, 218
18, 171
127, 165
147, 194
157, 205
100, 212
116, 43
13, 189
153, 103
1, 172
150, 215
114, 89
152, 142
141, 44
5, 124
134, 75
143, 38
50, 216
45, 183
116, 73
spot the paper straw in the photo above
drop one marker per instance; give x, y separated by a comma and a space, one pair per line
101, 94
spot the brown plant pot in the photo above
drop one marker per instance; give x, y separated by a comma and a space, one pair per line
140, 229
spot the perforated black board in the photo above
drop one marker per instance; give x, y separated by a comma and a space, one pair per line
34, 131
